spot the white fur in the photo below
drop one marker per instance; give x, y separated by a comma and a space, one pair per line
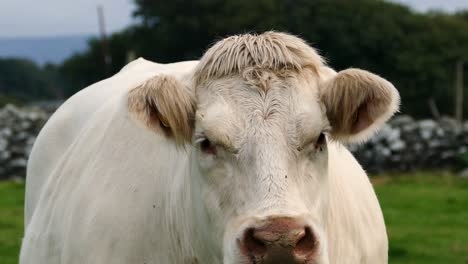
101, 188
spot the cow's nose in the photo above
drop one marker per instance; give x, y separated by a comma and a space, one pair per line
279, 240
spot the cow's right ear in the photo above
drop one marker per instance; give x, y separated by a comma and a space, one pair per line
165, 105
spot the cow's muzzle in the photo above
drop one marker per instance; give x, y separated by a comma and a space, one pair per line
278, 240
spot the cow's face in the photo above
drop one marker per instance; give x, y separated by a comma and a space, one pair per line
261, 141
262, 151
259, 117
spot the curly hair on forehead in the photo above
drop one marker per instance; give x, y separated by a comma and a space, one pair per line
271, 50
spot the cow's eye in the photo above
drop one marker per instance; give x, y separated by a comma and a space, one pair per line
317, 143
207, 147
321, 141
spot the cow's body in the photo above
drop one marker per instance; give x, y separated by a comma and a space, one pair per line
102, 190
232, 159
92, 132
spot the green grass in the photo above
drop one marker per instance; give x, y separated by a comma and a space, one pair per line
11, 221
426, 216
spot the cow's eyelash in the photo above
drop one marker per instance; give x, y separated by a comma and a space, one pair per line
199, 139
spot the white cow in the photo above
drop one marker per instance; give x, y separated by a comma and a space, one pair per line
237, 158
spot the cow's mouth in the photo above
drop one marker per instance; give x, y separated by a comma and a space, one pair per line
281, 255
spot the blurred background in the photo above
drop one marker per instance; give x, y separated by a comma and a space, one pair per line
418, 163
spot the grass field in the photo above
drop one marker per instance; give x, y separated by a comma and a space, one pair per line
11, 221
426, 216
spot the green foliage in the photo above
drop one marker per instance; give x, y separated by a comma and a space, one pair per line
463, 159
88, 67
8, 100
417, 52
425, 214
23, 80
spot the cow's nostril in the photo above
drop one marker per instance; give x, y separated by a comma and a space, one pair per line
253, 245
279, 240
306, 244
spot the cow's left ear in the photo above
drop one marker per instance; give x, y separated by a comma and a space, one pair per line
357, 103
164, 105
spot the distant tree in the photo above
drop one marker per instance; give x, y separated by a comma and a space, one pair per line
87, 67
24, 81
417, 52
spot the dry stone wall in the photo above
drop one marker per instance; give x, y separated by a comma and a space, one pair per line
18, 130
406, 144
403, 144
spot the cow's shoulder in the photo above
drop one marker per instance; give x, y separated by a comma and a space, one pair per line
92, 104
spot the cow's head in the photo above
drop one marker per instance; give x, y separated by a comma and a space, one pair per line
260, 113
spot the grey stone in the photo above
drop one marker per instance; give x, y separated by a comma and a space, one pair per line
402, 144
401, 120
463, 173
19, 162
18, 130
397, 145
408, 144
426, 128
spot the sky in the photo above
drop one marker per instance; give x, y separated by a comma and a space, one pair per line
33, 18
425, 5
39, 18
